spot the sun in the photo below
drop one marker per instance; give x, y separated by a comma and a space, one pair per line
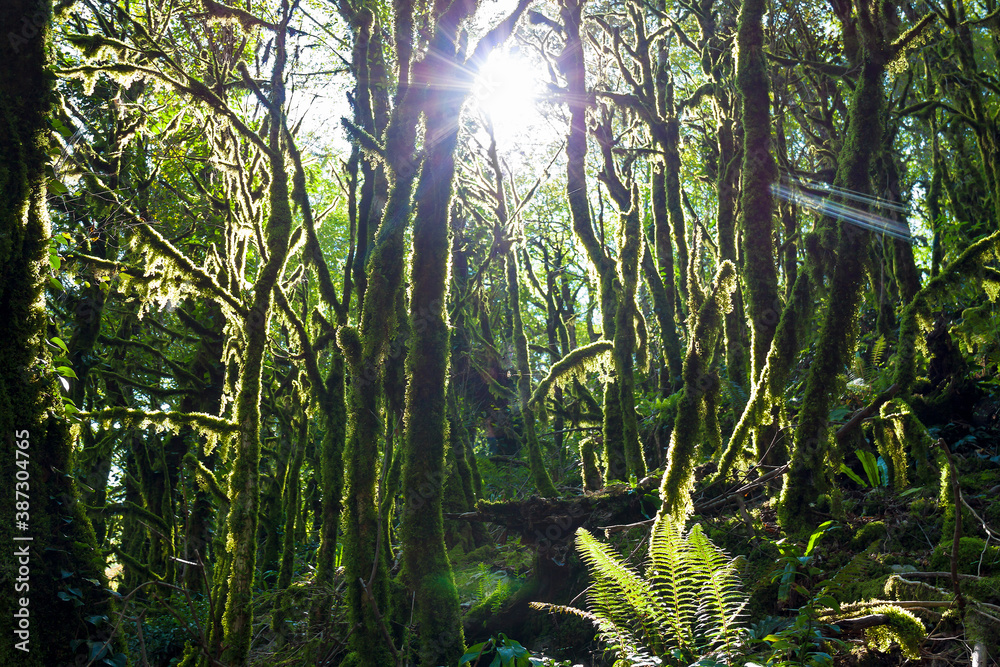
507, 90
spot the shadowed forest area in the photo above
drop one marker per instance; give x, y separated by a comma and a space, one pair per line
500, 332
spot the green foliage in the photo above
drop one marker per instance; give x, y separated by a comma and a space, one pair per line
810, 638
806, 640
872, 471
506, 653
974, 556
688, 606
870, 533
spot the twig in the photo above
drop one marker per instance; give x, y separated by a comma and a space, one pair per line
866, 412
862, 622
747, 520
931, 575
986, 529
142, 640
121, 617
625, 526
378, 617
760, 481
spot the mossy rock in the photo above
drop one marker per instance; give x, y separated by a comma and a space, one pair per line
870, 533
974, 557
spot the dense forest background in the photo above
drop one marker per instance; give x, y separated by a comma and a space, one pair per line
379, 333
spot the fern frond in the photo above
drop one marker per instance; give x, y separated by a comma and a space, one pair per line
689, 603
721, 601
878, 351
619, 594
674, 587
569, 611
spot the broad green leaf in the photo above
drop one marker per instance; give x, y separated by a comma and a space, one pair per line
818, 533
853, 475
472, 653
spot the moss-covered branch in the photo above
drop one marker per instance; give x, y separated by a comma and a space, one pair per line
959, 270
570, 366
210, 426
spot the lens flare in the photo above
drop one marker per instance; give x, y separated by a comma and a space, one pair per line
851, 207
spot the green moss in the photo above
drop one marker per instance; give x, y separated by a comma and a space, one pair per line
903, 628
974, 557
334, 412
918, 309
758, 174
870, 533
985, 589
813, 458
864, 589
591, 470
629, 241
903, 431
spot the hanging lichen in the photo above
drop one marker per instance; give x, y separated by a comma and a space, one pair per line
576, 365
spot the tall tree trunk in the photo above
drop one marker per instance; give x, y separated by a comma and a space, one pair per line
244, 487
44, 526
809, 474
573, 68
758, 174
425, 558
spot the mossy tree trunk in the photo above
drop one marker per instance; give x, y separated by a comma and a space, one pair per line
573, 69
626, 197
245, 452
757, 176
690, 422
810, 470
426, 566
291, 502
519, 340
538, 471
56, 536
667, 216
365, 351
446, 79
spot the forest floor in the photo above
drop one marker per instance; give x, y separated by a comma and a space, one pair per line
885, 543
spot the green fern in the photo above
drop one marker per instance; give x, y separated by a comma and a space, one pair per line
687, 606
